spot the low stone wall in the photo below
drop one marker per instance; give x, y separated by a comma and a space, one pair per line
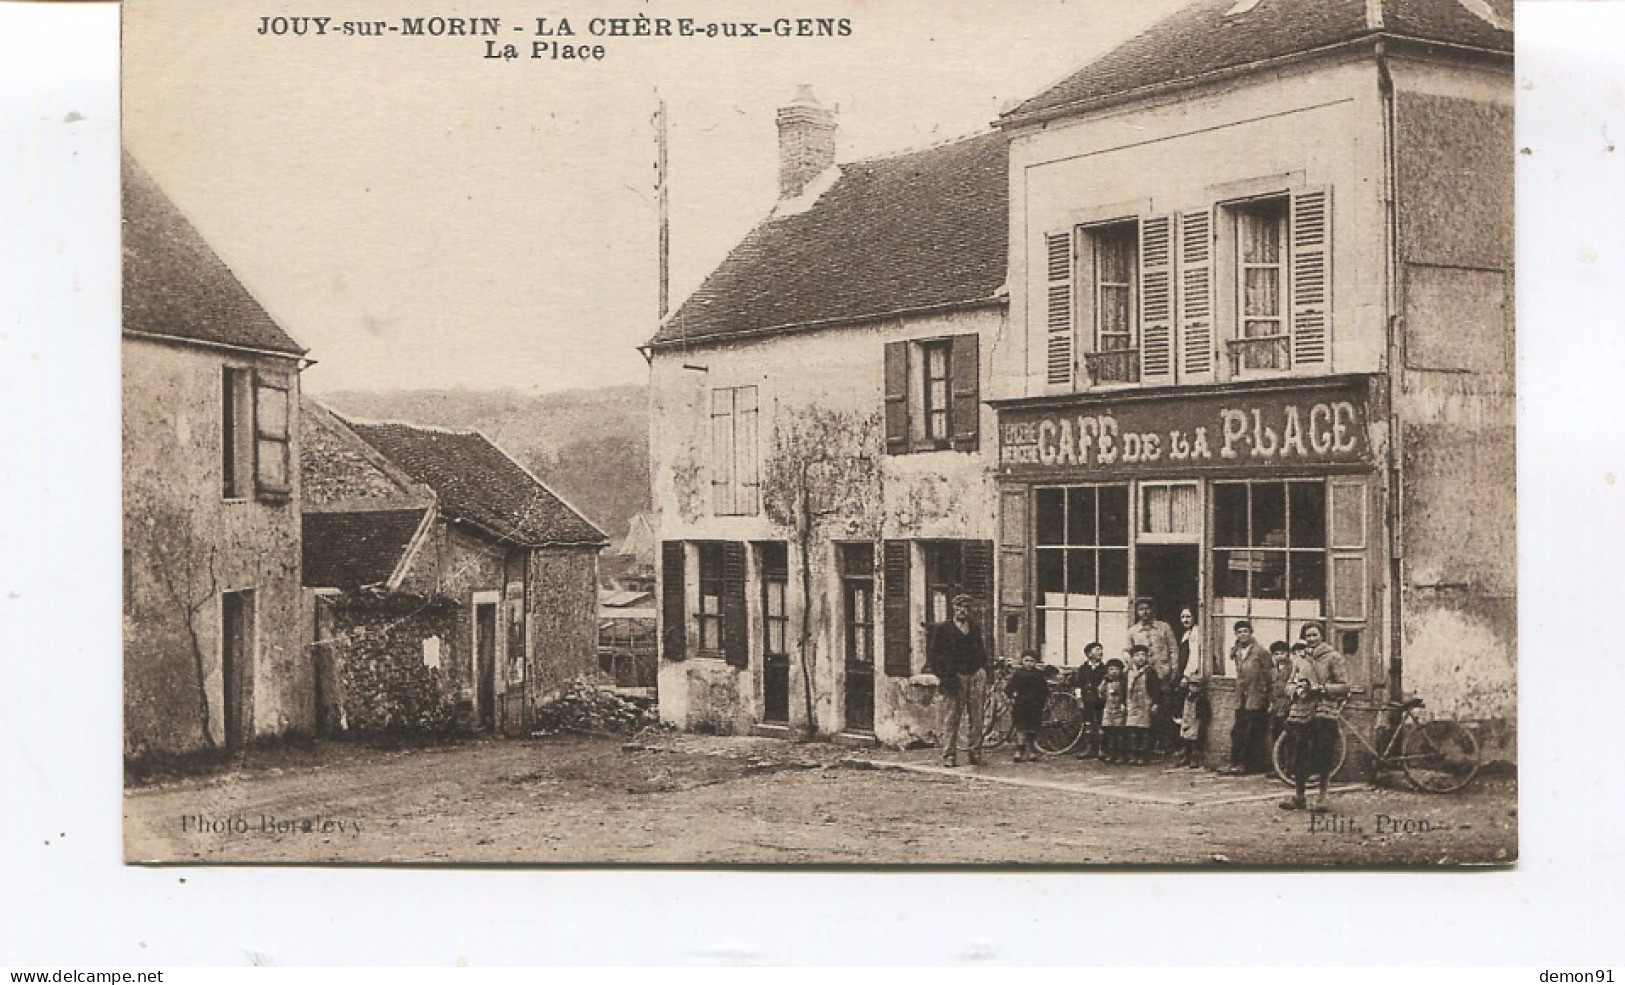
395, 664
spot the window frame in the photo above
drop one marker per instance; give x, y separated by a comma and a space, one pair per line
1065, 547
709, 563
1237, 213
1257, 554
857, 567
237, 468
775, 573
931, 409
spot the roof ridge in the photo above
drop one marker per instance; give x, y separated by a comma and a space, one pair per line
982, 131
391, 422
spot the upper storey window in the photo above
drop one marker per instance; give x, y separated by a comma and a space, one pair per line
1163, 299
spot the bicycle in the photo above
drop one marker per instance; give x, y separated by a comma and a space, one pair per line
998, 727
1061, 728
1437, 756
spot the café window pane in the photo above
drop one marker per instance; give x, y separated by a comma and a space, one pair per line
1051, 505
1080, 516
1114, 515
1307, 512
1230, 515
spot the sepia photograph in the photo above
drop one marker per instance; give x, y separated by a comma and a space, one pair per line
719, 433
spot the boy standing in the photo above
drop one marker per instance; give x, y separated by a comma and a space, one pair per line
1087, 680
1027, 691
1281, 685
1114, 712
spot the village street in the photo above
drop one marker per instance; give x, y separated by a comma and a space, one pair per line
689, 799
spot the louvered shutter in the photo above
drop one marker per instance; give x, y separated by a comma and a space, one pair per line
1311, 277
895, 608
1156, 300
896, 398
1196, 296
1012, 568
976, 558
965, 405
735, 635
673, 600
1058, 344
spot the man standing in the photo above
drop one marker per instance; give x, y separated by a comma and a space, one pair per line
955, 653
1162, 649
1254, 671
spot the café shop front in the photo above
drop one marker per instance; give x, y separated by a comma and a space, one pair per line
1254, 501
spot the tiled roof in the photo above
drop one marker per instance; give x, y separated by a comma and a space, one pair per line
349, 550
476, 481
176, 285
917, 230
1206, 37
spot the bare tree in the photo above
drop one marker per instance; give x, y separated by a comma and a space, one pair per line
822, 475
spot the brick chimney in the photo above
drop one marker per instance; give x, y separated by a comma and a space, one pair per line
806, 142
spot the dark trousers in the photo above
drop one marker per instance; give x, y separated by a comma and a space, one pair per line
1091, 729
1139, 740
1116, 742
1312, 745
1247, 738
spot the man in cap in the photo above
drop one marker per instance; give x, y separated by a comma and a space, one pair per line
1162, 649
955, 653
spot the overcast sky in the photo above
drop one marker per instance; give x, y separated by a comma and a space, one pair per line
421, 216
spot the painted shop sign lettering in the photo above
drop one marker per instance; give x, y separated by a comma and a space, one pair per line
1188, 434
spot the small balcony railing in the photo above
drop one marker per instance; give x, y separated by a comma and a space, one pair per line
1115, 366
1267, 354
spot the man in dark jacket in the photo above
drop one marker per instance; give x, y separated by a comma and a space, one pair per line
955, 653
1254, 673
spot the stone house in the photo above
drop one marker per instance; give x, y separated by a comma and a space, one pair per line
451, 589
818, 441
1259, 356
213, 655
1253, 353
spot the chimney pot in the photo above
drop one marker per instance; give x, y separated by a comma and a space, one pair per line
806, 142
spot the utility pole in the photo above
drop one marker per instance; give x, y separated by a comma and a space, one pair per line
661, 205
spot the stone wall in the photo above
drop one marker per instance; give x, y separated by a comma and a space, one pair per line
185, 544
393, 663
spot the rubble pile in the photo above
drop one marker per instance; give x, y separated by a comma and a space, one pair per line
584, 707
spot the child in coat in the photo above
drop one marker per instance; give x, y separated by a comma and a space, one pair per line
1114, 712
1143, 698
1027, 691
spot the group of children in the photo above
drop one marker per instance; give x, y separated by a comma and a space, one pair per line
1120, 702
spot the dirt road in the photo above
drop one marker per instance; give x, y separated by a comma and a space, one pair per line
714, 800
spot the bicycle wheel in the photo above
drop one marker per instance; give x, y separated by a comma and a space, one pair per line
997, 725
1281, 758
1439, 757
1062, 726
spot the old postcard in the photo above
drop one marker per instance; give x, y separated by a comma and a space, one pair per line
1041, 433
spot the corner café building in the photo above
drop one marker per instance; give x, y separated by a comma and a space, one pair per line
1251, 502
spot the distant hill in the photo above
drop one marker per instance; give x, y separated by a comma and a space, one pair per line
589, 446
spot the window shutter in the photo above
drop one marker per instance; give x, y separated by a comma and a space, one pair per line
735, 636
1058, 357
895, 564
1012, 568
1311, 277
673, 599
976, 556
1156, 300
896, 398
1196, 296
965, 406
273, 465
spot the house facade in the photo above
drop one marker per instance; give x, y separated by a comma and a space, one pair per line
1259, 356
213, 653
452, 591
1256, 358
819, 441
